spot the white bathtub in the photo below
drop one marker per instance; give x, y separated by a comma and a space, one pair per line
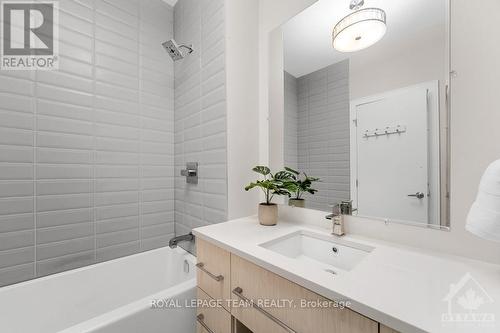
110, 297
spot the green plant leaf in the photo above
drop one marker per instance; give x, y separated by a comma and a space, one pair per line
297, 182
284, 176
250, 186
263, 170
312, 191
282, 192
295, 172
267, 184
284, 182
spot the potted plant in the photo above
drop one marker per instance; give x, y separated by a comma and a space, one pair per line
298, 184
271, 185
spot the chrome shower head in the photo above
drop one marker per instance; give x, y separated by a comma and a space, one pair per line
174, 50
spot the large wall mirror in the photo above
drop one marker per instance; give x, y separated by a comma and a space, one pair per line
365, 106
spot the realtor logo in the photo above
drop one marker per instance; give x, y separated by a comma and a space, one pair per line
466, 303
29, 35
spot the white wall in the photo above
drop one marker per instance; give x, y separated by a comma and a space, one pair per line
272, 13
275, 119
412, 63
475, 113
474, 122
291, 122
242, 80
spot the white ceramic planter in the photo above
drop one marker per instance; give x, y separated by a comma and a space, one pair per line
268, 214
297, 202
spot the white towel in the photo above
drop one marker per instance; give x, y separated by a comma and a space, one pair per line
484, 215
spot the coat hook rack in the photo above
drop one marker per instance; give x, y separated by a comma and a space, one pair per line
399, 129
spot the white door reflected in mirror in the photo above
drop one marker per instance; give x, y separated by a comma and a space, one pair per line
391, 150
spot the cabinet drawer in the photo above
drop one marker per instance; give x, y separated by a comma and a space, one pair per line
385, 329
213, 270
258, 284
216, 319
257, 321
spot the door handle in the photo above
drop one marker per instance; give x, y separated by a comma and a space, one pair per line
239, 293
189, 173
201, 267
418, 195
201, 320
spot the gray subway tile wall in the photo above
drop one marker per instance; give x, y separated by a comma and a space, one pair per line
323, 132
87, 152
200, 114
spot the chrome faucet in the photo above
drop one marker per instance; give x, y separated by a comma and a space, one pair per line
338, 226
337, 219
184, 238
337, 216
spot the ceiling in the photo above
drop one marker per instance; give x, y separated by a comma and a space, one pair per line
308, 39
170, 2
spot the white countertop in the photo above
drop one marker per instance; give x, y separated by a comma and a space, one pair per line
403, 288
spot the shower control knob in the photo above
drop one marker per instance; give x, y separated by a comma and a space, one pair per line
191, 172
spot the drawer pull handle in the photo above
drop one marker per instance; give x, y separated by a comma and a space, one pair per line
239, 293
217, 278
200, 319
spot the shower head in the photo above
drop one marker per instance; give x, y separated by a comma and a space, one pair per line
174, 50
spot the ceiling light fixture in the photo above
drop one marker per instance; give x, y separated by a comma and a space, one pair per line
360, 29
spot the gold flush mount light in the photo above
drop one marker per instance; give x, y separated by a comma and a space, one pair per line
360, 29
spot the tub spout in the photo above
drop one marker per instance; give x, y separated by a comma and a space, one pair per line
184, 238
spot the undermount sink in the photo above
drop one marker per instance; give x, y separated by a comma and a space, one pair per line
323, 251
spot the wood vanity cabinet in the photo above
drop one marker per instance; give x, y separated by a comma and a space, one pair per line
385, 329
297, 307
213, 276
213, 273
215, 318
263, 302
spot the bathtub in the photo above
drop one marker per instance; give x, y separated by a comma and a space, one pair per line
117, 296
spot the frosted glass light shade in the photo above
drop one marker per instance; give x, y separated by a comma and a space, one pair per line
359, 30
484, 216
